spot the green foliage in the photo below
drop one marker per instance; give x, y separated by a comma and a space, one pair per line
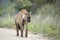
1, 10
22, 4
47, 10
12, 6
7, 22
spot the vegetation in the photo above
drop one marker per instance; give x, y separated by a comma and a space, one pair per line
45, 15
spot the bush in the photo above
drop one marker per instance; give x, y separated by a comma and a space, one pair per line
7, 22
44, 25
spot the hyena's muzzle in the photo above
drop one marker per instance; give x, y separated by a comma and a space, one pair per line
28, 19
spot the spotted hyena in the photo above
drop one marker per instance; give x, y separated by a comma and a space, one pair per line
22, 18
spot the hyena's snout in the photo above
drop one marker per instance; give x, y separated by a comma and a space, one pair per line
28, 18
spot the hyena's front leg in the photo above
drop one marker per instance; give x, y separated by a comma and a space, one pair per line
17, 29
21, 31
17, 32
26, 33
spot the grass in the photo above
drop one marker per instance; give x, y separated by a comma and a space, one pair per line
7, 22
43, 27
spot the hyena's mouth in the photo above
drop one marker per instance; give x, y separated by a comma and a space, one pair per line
23, 20
28, 19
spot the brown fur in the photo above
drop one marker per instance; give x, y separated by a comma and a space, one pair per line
20, 23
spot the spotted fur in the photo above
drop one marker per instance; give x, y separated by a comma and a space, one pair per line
22, 18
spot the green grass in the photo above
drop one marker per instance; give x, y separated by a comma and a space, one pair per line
7, 22
43, 28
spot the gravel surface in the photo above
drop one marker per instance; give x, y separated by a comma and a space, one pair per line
10, 34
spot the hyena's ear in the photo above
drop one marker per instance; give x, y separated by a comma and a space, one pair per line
30, 13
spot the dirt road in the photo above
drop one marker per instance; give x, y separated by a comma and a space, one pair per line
10, 34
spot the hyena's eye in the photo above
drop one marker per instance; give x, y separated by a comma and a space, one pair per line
26, 14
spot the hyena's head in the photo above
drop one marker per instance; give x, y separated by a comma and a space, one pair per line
26, 15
